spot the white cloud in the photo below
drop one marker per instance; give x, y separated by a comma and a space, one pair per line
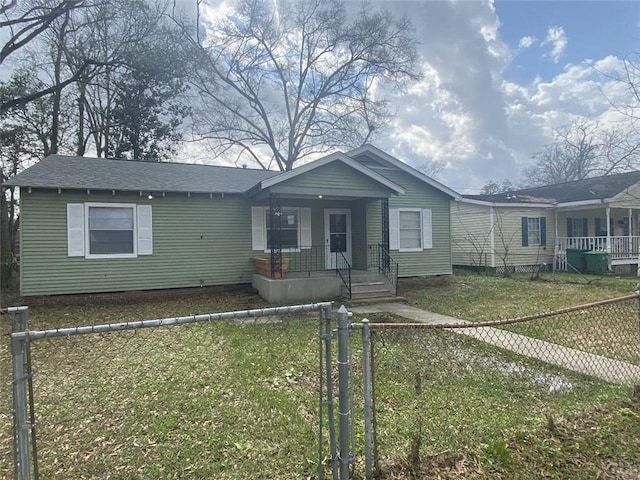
557, 38
466, 116
526, 42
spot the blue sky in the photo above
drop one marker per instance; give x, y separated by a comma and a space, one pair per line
593, 29
501, 76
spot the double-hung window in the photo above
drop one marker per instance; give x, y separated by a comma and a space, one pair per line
111, 230
286, 226
534, 231
292, 227
410, 229
576, 228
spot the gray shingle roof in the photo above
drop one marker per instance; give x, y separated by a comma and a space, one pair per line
595, 188
66, 172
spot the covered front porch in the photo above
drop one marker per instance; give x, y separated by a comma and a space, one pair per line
610, 229
318, 231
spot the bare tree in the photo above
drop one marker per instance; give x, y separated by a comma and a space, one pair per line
477, 244
123, 40
492, 187
629, 80
134, 98
505, 237
34, 119
431, 168
15, 149
23, 24
584, 149
280, 81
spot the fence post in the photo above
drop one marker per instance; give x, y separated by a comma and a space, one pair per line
344, 412
366, 373
326, 336
21, 425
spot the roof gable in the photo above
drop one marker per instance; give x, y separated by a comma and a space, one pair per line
299, 172
377, 159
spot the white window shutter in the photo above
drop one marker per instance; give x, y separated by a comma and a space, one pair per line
257, 228
427, 229
75, 229
305, 228
394, 229
145, 230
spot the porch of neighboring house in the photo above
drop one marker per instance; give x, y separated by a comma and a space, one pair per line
611, 230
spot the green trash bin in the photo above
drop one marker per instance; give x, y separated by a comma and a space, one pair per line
576, 260
596, 262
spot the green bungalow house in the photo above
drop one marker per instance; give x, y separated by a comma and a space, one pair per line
347, 223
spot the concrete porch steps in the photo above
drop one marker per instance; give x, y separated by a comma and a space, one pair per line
369, 287
374, 301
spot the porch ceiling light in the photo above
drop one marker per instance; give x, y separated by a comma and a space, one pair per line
320, 196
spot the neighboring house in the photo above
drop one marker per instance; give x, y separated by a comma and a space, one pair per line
526, 229
97, 225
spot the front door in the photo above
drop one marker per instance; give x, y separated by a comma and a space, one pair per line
337, 237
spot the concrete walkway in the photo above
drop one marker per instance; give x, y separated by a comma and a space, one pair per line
569, 358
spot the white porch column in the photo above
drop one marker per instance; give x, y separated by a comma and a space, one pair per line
630, 251
608, 229
556, 248
492, 238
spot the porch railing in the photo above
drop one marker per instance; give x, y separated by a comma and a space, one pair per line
380, 258
318, 258
621, 247
308, 259
343, 269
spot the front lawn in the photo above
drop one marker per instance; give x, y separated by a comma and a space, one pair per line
240, 400
491, 297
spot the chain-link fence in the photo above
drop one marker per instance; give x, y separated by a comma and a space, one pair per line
230, 395
250, 394
434, 390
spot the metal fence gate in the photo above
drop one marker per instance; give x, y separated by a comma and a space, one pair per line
28, 464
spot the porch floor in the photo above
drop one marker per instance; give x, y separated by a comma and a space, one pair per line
322, 273
322, 285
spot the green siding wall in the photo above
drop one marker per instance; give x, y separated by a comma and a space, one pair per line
196, 241
200, 240
434, 261
335, 175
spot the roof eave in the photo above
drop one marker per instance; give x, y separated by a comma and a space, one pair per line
123, 190
583, 203
504, 204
